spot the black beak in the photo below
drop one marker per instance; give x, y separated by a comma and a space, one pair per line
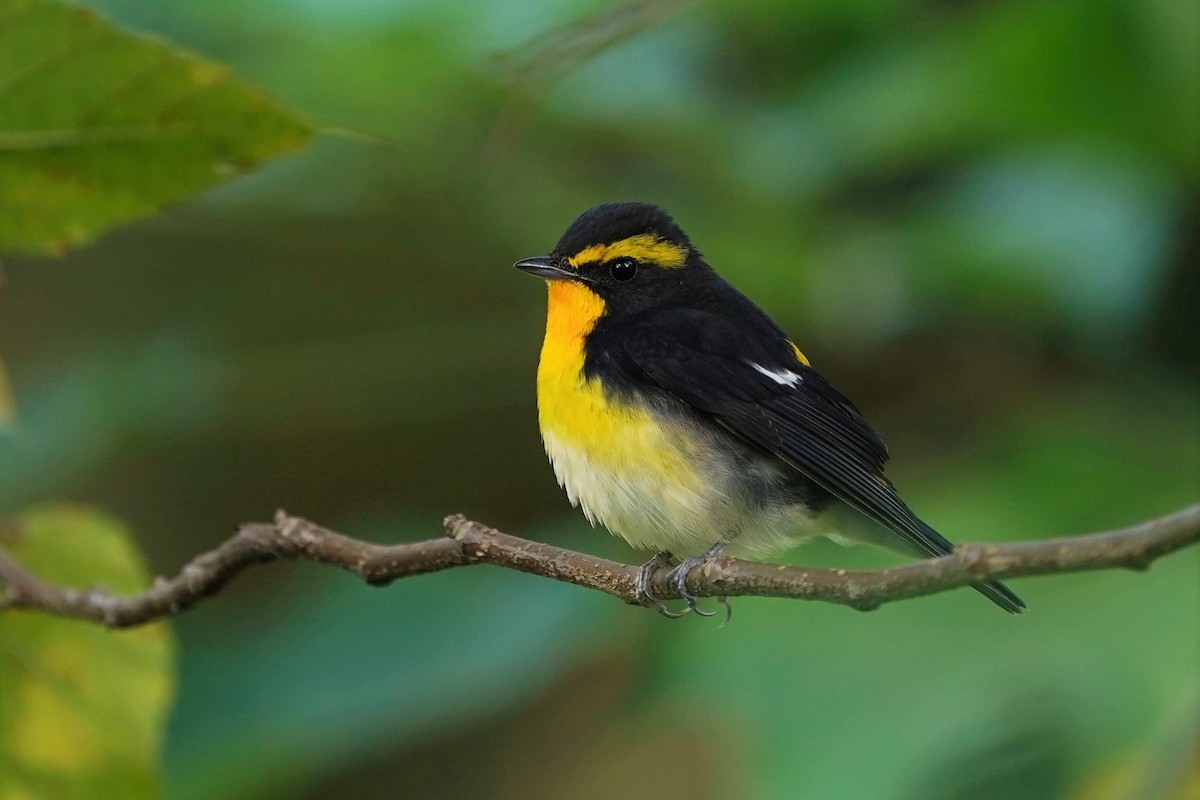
545, 267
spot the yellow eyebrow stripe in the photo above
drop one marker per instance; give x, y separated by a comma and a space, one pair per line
644, 247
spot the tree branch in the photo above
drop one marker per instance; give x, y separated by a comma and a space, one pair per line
467, 542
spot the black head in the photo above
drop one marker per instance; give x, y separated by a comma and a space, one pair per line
631, 254
609, 223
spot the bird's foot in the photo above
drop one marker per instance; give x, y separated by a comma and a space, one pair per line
643, 584
678, 577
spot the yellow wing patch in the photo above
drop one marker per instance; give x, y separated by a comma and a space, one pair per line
644, 247
803, 358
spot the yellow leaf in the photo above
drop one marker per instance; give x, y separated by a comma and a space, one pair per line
7, 405
81, 707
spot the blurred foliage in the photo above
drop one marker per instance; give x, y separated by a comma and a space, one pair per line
7, 405
957, 698
346, 667
81, 708
978, 219
98, 126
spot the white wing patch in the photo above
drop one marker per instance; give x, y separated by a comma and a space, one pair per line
783, 377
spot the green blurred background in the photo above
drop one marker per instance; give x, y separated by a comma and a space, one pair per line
980, 219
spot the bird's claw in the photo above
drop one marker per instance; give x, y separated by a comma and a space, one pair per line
678, 578
644, 589
643, 584
723, 600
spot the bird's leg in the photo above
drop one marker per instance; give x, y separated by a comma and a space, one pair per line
679, 574
644, 589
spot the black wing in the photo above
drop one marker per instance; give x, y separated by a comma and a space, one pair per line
747, 385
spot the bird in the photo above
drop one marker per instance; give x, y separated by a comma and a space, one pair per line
682, 418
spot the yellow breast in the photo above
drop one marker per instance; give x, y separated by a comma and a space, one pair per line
620, 463
658, 481
573, 409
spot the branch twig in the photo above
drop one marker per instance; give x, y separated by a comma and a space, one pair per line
467, 542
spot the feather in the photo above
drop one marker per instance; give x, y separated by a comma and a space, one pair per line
721, 366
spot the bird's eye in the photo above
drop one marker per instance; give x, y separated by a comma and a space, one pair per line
623, 269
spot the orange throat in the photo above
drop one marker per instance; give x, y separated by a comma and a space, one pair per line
571, 314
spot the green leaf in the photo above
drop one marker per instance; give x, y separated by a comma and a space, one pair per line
82, 708
99, 126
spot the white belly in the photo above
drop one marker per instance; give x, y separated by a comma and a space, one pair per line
674, 494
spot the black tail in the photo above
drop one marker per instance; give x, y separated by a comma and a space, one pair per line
884, 505
995, 591
1001, 595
